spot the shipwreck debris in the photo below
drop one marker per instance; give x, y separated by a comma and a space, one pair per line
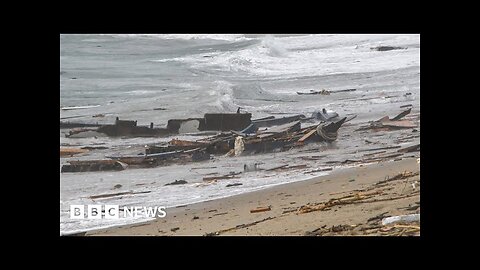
117, 194
279, 135
77, 125
176, 182
313, 92
277, 121
261, 209
387, 48
227, 121
329, 132
71, 151
385, 123
234, 184
227, 176
93, 165
287, 167
325, 92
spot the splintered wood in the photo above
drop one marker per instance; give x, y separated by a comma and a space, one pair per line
362, 196
387, 124
349, 199
261, 209
64, 152
306, 136
241, 226
287, 167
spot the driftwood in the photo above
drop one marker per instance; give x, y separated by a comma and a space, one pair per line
385, 123
234, 184
336, 201
325, 92
71, 151
241, 226
177, 182
401, 115
93, 165
287, 167
399, 176
227, 176
306, 136
261, 209
116, 194
319, 170
379, 148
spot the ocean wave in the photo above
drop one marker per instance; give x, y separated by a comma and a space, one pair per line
224, 101
140, 92
316, 55
225, 37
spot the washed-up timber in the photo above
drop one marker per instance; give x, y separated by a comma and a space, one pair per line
325, 92
210, 122
64, 152
283, 136
277, 121
77, 125
385, 123
93, 165
289, 136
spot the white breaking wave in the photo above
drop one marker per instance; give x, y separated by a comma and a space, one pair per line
225, 37
313, 55
275, 48
224, 101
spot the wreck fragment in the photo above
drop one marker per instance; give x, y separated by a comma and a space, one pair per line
324, 115
385, 123
329, 131
227, 121
277, 121
71, 151
261, 209
93, 165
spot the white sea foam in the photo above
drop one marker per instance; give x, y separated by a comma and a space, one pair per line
224, 37
314, 55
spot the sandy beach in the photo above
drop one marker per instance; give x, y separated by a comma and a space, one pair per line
350, 201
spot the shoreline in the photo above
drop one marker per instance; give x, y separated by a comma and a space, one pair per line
284, 205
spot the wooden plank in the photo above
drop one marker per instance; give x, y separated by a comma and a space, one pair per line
399, 124
401, 115
260, 209
306, 136
116, 194
71, 151
227, 176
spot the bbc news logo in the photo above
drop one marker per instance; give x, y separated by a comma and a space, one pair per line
98, 211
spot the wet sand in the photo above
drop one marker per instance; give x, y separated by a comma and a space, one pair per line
349, 201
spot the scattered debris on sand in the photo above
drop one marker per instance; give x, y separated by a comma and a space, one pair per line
177, 182
387, 48
387, 124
